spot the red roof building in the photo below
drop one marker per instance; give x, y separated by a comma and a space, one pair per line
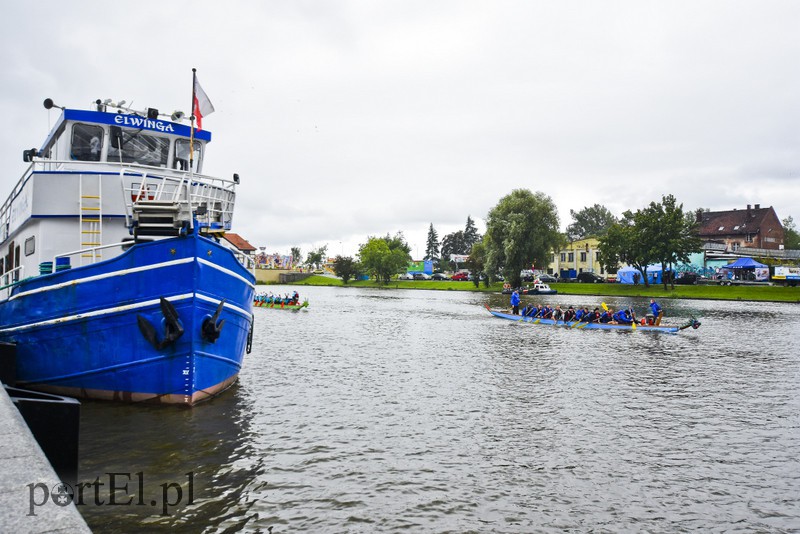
754, 227
239, 243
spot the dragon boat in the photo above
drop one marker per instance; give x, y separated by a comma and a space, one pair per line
577, 325
293, 305
116, 283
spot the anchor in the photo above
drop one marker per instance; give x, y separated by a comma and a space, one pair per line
211, 329
172, 326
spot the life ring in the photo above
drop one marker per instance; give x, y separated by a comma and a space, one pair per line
506, 286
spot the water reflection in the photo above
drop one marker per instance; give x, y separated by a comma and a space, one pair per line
381, 411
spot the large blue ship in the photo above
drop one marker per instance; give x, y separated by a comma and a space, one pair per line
116, 283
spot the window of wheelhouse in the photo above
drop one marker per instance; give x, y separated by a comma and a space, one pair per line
137, 147
87, 142
182, 155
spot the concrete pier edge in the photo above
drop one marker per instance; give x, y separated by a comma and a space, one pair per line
26, 471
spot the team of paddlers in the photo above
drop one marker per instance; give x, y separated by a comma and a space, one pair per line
585, 315
268, 299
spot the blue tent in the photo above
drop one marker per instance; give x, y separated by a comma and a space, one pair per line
744, 266
744, 263
654, 274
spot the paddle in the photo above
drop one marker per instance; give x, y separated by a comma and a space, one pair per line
633, 319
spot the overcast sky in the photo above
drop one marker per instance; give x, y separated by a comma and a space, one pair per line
347, 119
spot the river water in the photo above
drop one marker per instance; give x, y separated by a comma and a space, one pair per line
416, 411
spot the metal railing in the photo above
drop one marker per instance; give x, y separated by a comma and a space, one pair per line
9, 279
92, 250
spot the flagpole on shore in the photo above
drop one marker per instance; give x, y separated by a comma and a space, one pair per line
191, 137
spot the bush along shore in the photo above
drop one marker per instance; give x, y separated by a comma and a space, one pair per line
708, 292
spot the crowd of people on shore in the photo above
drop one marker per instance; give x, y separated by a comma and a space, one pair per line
606, 315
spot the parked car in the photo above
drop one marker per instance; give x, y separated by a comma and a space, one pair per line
589, 278
548, 278
687, 278
405, 276
421, 276
461, 277
439, 276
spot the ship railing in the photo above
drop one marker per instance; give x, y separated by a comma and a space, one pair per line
9, 279
91, 252
210, 199
246, 260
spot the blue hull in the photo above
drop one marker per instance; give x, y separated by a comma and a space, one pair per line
575, 325
77, 331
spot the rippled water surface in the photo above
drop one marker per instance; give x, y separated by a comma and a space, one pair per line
384, 411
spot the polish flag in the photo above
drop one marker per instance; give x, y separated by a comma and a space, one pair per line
202, 105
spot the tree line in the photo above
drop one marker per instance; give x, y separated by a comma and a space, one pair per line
522, 230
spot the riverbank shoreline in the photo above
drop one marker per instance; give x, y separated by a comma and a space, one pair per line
696, 292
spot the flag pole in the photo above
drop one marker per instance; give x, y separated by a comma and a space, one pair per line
191, 137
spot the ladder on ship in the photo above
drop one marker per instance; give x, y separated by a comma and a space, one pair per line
90, 215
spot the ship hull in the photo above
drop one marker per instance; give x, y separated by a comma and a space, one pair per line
79, 332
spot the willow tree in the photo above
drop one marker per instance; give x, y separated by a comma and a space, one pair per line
521, 230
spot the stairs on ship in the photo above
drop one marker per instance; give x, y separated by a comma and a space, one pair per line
160, 218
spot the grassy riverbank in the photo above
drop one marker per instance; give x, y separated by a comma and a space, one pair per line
752, 293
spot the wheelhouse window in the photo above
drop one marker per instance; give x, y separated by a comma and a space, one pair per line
181, 160
87, 142
136, 147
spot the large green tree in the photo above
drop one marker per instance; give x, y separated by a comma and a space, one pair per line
453, 243
432, 247
476, 263
659, 233
676, 235
471, 235
383, 257
317, 256
346, 268
522, 229
791, 240
591, 221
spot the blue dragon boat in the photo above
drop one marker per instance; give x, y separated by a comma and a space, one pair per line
115, 282
577, 325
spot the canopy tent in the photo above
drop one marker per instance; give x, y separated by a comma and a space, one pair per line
654, 275
743, 266
744, 263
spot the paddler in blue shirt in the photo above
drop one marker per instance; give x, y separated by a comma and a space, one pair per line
623, 317
515, 302
658, 312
